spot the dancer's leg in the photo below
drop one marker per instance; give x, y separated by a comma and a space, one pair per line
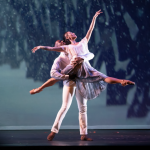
82, 106
48, 83
123, 82
68, 92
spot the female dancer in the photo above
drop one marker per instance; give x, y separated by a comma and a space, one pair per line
90, 82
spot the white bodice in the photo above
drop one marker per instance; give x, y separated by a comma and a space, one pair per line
79, 50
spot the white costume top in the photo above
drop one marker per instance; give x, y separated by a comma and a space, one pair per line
79, 50
90, 82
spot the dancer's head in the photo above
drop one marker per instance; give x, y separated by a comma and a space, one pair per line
59, 43
68, 36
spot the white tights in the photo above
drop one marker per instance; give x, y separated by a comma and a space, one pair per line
68, 92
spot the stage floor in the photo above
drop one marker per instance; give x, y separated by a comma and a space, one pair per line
72, 138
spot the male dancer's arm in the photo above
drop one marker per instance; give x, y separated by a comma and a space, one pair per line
55, 70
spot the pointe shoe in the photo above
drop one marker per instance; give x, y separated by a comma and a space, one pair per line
51, 136
34, 91
127, 82
85, 138
131, 83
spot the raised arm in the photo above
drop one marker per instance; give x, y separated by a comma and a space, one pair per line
56, 49
88, 35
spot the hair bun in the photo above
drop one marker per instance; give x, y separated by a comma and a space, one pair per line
67, 41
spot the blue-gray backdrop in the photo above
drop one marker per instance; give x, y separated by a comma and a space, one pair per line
120, 42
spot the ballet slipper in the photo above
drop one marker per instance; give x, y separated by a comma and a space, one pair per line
34, 91
51, 136
85, 138
130, 83
127, 82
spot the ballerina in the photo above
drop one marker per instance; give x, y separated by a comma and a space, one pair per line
89, 81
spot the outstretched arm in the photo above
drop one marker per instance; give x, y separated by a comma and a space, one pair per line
56, 49
88, 35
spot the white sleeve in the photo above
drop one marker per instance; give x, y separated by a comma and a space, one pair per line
88, 56
84, 40
55, 71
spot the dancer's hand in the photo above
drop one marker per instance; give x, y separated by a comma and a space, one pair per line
97, 13
76, 60
35, 49
127, 82
79, 59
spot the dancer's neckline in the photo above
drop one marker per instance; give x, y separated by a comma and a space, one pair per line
75, 44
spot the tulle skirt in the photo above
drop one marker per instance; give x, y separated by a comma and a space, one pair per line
89, 81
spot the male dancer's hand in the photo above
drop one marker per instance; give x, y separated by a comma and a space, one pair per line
76, 60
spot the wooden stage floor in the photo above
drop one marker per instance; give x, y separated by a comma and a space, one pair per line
71, 137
